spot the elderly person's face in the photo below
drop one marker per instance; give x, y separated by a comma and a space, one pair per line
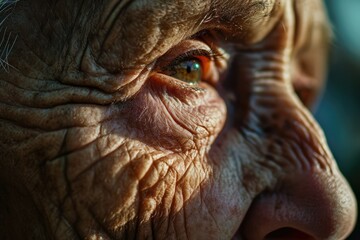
164, 119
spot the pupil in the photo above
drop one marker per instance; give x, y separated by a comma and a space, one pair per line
188, 71
188, 68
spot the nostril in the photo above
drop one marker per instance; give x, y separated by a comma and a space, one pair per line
288, 233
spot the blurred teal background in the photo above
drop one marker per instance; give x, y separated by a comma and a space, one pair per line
339, 110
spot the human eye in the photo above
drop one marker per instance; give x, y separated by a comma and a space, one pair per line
191, 67
193, 62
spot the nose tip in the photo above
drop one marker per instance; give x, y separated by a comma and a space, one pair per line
309, 206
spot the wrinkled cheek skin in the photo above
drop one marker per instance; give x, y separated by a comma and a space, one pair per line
136, 174
177, 161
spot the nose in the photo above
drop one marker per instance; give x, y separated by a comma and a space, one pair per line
309, 206
312, 200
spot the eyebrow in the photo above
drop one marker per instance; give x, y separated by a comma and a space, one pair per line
236, 17
225, 9
128, 21
244, 8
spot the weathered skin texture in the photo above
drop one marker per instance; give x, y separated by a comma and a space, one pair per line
98, 142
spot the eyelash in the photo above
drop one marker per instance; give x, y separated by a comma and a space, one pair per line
193, 54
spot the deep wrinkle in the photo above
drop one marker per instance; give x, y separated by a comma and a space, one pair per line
228, 16
123, 150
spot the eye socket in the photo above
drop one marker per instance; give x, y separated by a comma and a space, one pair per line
194, 61
191, 67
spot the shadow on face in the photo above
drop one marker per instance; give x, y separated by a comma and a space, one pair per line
166, 120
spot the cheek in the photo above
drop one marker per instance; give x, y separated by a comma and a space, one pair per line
148, 159
172, 115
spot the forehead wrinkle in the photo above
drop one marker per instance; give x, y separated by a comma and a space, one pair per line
260, 5
240, 17
202, 10
143, 29
170, 14
140, 30
173, 10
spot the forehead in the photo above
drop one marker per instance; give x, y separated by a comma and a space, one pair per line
180, 9
224, 8
189, 13
157, 23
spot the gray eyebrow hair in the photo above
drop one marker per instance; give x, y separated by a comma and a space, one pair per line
7, 38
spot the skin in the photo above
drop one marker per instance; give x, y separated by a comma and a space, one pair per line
98, 141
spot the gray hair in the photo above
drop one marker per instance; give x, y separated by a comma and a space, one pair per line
7, 39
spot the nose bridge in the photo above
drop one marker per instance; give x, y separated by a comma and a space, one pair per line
303, 141
288, 127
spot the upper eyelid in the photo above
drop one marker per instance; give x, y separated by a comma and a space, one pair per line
219, 59
192, 54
